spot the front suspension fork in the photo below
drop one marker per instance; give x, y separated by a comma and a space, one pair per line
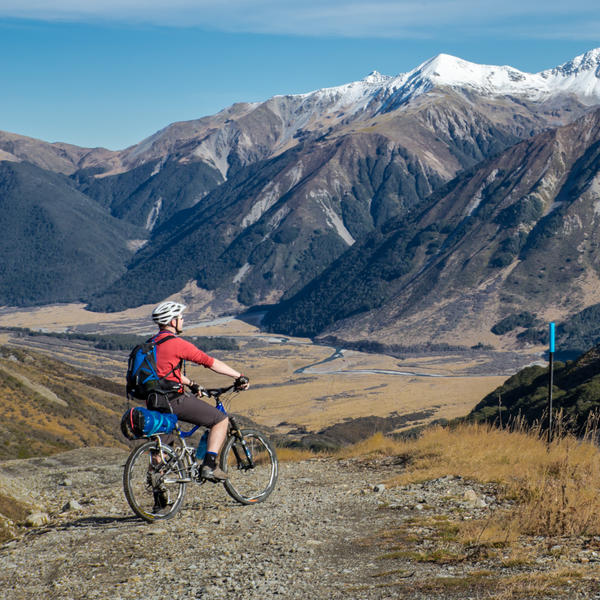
235, 431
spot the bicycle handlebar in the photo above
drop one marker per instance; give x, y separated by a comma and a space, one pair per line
216, 392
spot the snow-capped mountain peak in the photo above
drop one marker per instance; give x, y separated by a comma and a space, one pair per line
590, 61
580, 76
326, 109
377, 93
445, 69
376, 77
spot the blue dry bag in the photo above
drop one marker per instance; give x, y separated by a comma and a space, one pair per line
140, 422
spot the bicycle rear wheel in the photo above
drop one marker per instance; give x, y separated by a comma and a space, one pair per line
154, 491
252, 475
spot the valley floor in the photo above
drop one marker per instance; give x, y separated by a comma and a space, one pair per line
331, 530
295, 384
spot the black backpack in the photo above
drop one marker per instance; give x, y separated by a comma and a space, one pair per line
142, 377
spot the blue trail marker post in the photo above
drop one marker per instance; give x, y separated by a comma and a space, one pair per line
550, 380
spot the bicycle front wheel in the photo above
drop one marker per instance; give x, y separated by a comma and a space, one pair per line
251, 467
154, 483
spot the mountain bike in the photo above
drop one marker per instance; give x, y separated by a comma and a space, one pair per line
156, 474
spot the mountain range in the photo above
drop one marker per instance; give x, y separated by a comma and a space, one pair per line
519, 232
429, 205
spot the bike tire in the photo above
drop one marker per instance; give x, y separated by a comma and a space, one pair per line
138, 485
246, 484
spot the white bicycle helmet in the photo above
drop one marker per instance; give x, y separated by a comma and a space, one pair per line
165, 312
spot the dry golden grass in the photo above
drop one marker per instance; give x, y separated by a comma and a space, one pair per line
555, 503
378, 445
537, 585
499, 531
58, 317
556, 487
11, 511
293, 454
559, 584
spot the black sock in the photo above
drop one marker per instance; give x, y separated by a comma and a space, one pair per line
210, 459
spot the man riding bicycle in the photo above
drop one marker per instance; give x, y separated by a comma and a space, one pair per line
188, 406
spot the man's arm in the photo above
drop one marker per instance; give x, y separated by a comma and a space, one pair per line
214, 364
223, 369
220, 367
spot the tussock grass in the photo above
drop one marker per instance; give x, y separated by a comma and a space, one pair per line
550, 492
376, 445
537, 585
559, 583
501, 530
11, 511
555, 488
294, 454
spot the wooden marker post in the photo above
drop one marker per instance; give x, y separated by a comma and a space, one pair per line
550, 381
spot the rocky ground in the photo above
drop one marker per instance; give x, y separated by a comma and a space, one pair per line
333, 529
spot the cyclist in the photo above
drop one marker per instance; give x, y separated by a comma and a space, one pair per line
187, 405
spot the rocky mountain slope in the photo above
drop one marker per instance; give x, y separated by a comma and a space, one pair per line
576, 394
308, 175
517, 231
57, 157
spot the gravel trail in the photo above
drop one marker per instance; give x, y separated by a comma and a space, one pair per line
318, 536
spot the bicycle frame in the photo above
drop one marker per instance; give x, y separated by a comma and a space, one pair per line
233, 429
188, 451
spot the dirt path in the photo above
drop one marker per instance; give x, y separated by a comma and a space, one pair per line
329, 531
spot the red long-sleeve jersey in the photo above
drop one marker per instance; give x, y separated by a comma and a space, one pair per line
170, 353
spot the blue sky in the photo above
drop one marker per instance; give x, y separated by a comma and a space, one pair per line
112, 72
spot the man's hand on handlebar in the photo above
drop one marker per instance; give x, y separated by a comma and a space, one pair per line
194, 387
241, 383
